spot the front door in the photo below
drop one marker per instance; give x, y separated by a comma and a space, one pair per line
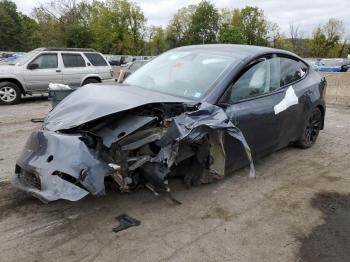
47, 71
251, 101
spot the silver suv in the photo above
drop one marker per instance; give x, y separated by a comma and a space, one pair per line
32, 72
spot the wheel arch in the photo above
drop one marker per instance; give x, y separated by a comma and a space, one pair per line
323, 112
16, 82
97, 77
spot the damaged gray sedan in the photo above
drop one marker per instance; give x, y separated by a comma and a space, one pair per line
199, 112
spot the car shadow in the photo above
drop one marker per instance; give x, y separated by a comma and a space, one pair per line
34, 98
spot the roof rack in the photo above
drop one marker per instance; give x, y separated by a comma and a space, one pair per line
65, 49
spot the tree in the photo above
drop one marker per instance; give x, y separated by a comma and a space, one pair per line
230, 31
10, 26
204, 23
29, 33
295, 36
158, 42
326, 39
225, 18
229, 34
178, 31
237, 18
64, 23
118, 27
318, 45
18, 32
254, 26
114, 26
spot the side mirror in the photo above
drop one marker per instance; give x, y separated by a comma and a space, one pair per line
33, 66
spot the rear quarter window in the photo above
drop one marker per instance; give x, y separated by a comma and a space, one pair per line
291, 71
96, 59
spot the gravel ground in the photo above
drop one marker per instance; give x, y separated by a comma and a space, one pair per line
297, 209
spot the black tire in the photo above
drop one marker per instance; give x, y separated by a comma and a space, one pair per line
311, 129
10, 93
91, 81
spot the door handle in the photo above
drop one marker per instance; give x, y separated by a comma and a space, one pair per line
58, 71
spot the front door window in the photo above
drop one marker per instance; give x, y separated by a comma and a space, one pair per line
46, 61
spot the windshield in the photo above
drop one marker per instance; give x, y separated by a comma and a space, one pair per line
185, 74
24, 58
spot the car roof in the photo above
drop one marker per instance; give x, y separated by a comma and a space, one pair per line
233, 49
65, 49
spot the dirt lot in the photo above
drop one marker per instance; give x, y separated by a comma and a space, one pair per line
297, 209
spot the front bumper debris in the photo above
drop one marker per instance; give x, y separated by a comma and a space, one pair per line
61, 167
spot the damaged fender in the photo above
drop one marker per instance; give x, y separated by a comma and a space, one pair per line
192, 127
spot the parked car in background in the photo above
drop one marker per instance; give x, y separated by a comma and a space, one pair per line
32, 72
332, 65
114, 60
346, 66
126, 60
196, 112
13, 57
130, 68
4, 56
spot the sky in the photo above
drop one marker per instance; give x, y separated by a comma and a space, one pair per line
308, 14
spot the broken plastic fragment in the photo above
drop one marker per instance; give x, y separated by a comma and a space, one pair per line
125, 222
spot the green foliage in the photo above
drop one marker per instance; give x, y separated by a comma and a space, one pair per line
325, 41
229, 34
119, 27
254, 26
29, 33
204, 23
158, 41
178, 31
15, 28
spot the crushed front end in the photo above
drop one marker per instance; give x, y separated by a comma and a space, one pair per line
142, 146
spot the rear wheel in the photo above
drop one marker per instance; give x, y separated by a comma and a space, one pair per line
91, 81
311, 129
10, 94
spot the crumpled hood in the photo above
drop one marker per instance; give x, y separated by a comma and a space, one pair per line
98, 100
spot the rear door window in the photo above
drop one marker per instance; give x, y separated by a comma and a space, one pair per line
73, 60
96, 59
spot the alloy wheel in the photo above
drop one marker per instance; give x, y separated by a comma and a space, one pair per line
7, 94
313, 127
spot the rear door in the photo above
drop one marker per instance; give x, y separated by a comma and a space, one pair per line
100, 64
74, 69
48, 71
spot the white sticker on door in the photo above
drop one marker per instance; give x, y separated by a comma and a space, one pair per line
289, 99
